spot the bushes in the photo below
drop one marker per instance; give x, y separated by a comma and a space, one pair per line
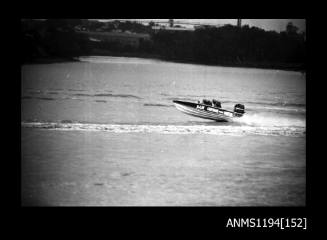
227, 45
231, 45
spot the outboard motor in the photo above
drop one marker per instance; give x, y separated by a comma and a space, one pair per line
239, 110
216, 103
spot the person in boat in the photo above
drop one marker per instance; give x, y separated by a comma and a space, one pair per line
216, 103
206, 102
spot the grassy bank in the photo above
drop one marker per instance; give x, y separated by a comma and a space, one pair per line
58, 40
98, 52
48, 60
245, 64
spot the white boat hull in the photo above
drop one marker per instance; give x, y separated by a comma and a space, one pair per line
202, 111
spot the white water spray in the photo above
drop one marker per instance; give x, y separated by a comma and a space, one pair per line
270, 120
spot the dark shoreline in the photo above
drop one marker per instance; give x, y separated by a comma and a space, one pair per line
48, 60
284, 67
228, 46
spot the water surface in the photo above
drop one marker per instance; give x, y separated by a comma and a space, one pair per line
104, 131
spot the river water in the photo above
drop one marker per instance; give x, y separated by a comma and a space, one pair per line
104, 131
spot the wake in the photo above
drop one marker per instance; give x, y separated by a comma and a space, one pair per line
231, 130
270, 120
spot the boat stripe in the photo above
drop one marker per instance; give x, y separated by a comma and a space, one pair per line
198, 113
201, 116
204, 114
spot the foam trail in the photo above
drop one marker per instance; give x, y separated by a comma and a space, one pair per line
270, 121
171, 129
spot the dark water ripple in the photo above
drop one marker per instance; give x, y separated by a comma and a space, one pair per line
157, 105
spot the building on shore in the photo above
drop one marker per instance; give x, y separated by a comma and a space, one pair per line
239, 23
176, 28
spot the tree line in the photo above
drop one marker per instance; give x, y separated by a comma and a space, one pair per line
227, 45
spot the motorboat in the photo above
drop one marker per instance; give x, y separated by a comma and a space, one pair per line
209, 110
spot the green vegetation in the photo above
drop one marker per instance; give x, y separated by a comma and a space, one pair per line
228, 45
233, 46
